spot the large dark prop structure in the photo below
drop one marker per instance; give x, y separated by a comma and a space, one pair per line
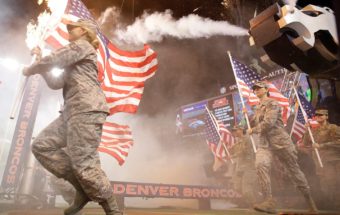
298, 39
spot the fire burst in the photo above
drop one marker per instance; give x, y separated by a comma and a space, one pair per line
46, 22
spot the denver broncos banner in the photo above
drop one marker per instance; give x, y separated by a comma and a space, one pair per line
20, 146
132, 189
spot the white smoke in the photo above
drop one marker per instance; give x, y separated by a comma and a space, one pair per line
154, 27
109, 20
291, 3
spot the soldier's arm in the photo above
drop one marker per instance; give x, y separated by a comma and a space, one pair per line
63, 57
272, 112
335, 137
306, 140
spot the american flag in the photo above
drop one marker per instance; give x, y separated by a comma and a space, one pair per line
298, 128
216, 135
116, 141
307, 106
283, 101
121, 73
246, 78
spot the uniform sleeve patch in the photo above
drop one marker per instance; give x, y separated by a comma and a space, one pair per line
75, 47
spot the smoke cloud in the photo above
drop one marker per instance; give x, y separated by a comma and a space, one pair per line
110, 20
159, 157
154, 27
291, 3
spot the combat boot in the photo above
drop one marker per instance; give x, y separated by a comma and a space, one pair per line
267, 206
80, 200
110, 206
311, 204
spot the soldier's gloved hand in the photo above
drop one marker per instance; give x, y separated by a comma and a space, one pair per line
307, 125
316, 146
249, 131
27, 71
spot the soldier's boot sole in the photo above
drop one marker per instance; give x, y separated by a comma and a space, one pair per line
266, 210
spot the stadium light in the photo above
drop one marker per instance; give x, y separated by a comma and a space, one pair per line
56, 72
10, 63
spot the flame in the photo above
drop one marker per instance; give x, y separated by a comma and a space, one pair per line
35, 31
46, 22
57, 7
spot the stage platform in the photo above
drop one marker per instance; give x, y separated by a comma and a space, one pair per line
136, 211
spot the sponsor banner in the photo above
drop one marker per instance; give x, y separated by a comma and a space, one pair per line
223, 109
132, 189
22, 135
191, 118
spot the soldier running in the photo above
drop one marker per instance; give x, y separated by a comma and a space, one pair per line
79, 127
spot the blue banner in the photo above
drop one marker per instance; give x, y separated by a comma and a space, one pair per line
20, 146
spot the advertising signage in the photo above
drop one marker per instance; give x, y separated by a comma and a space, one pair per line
192, 116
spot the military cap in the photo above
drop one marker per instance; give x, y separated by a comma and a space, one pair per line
259, 84
88, 25
321, 111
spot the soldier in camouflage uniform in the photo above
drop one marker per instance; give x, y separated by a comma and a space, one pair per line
327, 141
274, 141
78, 129
244, 177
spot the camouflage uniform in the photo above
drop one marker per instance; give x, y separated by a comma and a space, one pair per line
78, 129
244, 177
328, 137
274, 140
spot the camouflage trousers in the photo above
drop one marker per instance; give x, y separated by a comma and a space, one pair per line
288, 158
68, 149
245, 183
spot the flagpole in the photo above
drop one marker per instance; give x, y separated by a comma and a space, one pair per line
243, 106
297, 77
212, 117
309, 130
296, 112
283, 82
294, 122
20, 92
